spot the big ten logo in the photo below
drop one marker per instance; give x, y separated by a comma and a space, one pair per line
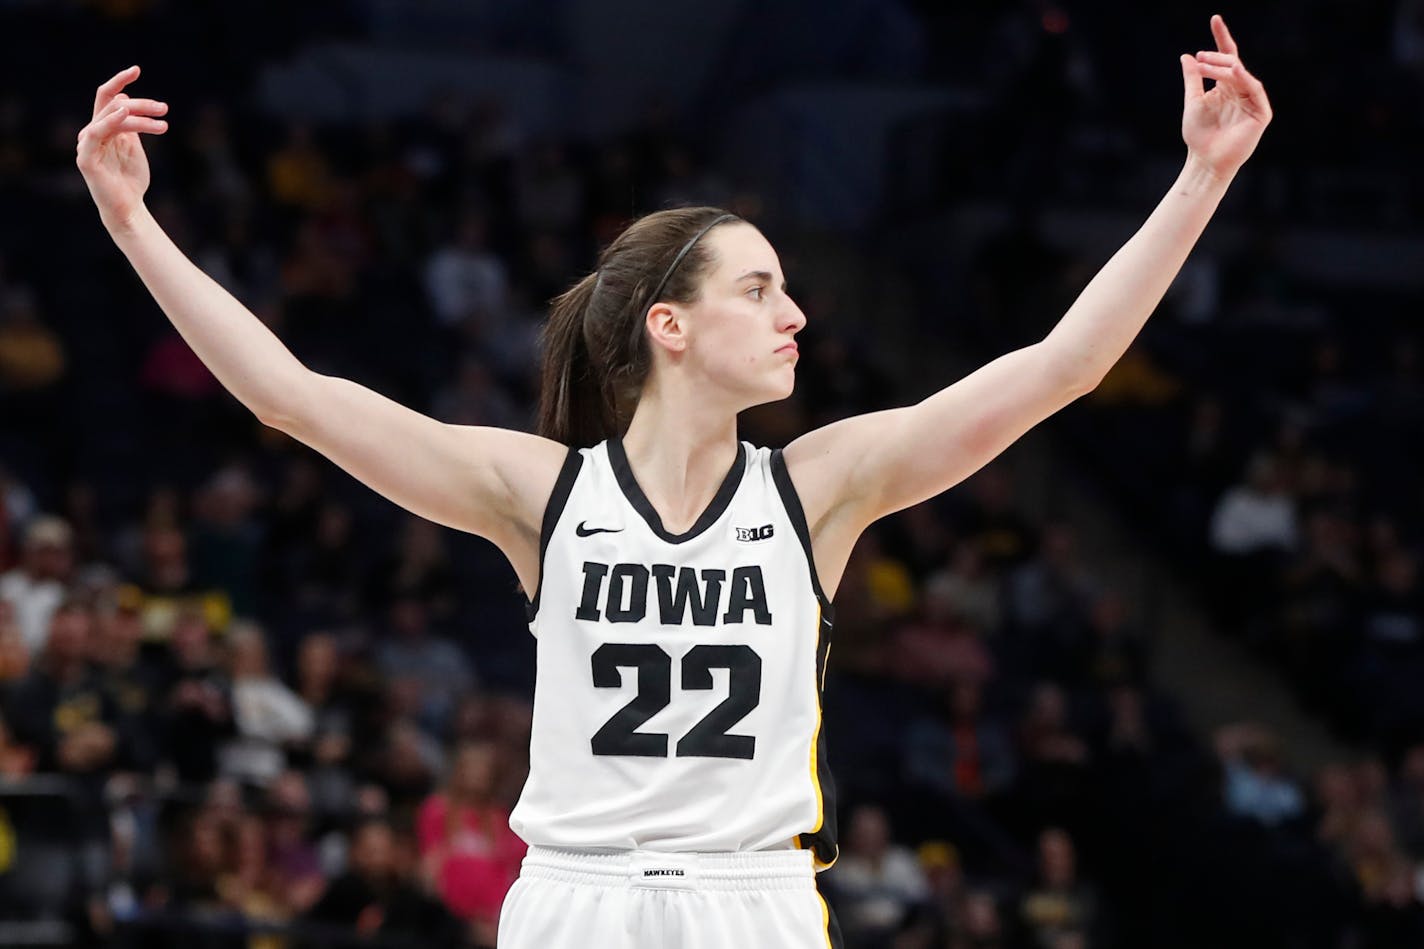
754, 533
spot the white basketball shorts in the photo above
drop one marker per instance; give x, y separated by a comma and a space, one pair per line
641, 899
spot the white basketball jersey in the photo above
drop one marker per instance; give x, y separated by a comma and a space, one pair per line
677, 702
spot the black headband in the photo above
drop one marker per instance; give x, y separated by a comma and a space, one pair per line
683, 253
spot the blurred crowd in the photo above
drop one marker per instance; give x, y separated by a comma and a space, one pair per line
244, 701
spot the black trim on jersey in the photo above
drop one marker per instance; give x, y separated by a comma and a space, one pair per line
825, 842
559, 497
621, 470
792, 502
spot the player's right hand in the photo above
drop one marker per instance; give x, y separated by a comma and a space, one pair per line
110, 155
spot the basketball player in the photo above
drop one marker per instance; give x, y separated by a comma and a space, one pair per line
680, 580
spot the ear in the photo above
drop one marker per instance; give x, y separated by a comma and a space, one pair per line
667, 327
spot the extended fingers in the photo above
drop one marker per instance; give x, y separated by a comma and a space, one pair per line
143, 106
117, 118
1224, 42
108, 90
1215, 58
124, 108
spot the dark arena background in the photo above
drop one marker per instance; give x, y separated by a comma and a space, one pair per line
1153, 679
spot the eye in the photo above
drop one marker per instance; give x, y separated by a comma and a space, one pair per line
758, 291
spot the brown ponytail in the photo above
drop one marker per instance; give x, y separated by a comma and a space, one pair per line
595, 351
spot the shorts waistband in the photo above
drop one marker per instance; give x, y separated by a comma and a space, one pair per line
743, 870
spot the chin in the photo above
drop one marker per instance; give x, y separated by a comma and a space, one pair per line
778, 393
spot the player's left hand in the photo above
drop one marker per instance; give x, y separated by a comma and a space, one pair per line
1222, 126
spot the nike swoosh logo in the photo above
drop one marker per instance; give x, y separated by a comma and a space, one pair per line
590, 531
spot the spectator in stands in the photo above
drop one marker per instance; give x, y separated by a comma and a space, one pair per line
166, 588
965, 583
1318, 596
466, 846
81, 509
410, 653
1054, 780
1381, 870
1046, 735
292, 854
131, 681
373, 899
36, 587
197, 704
1258, 515
1114, 653
197, 856
961, 753
1059, 904
318, 286
982, 925
328, 753
943, 908
1338, 801
246, 882
62, 712
268, 715
321, 567
33, 363
1002, 534
938, 648
418, 568
1048, 596
1253, 528
920, 538
408, 764
299, 173
1256, 786
226, 537
878, 883
1394, 602
464, 279
163, 507
1129, 734
476, 398
860, 618
60, 709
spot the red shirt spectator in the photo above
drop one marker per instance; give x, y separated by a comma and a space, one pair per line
465, 841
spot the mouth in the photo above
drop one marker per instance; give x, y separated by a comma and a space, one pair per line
790, 348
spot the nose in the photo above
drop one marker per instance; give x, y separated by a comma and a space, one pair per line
792, 320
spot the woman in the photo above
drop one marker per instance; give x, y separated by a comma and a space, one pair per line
467, 849
658, 548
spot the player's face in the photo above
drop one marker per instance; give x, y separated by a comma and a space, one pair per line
740, 332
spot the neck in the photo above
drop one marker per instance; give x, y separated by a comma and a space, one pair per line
680, 450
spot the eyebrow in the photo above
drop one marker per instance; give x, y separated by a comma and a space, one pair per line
763, 275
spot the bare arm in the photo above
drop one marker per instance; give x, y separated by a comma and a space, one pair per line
857, 470
486, 481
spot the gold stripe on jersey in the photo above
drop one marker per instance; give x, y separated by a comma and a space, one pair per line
825, 920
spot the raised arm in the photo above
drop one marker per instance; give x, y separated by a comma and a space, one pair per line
857, 470
486, 481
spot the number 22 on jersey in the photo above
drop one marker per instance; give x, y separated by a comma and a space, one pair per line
708, 738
